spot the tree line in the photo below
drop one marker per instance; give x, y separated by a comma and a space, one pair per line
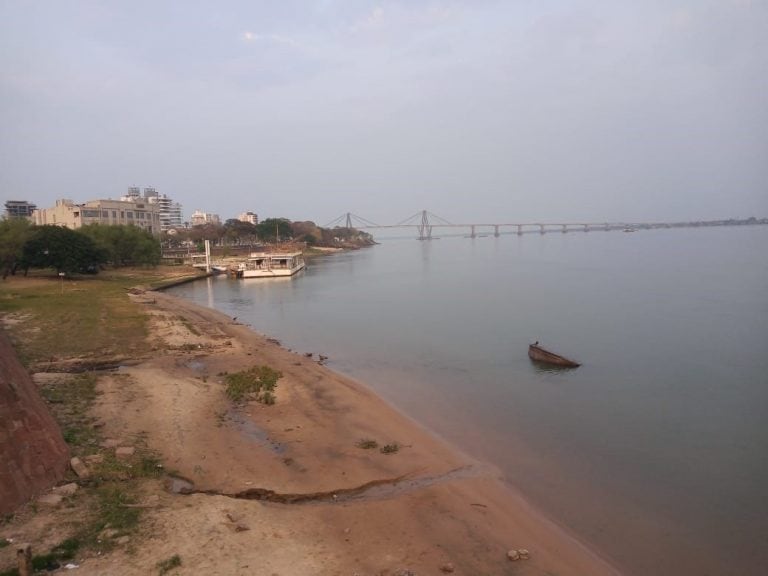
271, 230
86, 250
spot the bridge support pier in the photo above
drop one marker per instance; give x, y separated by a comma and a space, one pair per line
586, 227
565, 228
496, 231
519, 229
472, 232
541, 229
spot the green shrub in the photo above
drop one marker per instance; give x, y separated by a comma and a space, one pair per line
257, 383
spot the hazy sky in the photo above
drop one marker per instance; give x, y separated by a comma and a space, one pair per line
477, 110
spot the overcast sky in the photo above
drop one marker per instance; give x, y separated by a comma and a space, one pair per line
477, 111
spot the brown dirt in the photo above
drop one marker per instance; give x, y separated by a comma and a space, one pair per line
369, 513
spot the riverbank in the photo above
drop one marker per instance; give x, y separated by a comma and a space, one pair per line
325, 503
432, 507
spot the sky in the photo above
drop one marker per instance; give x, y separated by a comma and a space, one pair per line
478, 111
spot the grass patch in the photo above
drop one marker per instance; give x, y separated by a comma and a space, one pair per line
91, 316
257, 383
367, 444
169, 564
390, 449
69, 401
4, 543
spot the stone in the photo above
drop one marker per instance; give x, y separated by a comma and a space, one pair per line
448, 568
67, 489
110, 443
124, 452
79, 468
524, 554
94, 458
51, 500
123, 540
513, 555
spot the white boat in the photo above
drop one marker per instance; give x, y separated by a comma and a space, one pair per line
273, 265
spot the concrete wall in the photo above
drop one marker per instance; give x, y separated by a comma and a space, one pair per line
33, 454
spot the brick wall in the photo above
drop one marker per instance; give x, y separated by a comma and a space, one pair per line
33, 454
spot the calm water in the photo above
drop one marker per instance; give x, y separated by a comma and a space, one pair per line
655, 451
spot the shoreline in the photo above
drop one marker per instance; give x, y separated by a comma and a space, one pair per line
467, 519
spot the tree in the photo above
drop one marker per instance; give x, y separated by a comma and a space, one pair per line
62, 249
125, 245
14, 232
238, 232
275, 229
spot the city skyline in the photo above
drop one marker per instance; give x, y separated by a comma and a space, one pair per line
475, 111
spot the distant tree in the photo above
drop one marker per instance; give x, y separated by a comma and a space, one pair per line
63, 249
308, 232
212, 232
14, 232
275, 229
125, 245
238, 232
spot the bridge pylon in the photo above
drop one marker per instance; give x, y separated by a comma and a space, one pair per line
425, 228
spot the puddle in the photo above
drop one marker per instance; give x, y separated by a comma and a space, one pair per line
197, 365
248, 429
178, 485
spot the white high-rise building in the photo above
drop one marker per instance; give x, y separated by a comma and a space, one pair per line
249, 217
170, 211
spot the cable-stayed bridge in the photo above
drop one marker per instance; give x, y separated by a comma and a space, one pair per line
425, 222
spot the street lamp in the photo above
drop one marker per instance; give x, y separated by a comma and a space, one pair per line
61, 275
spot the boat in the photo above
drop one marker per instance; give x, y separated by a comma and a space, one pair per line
539, 354
270, 265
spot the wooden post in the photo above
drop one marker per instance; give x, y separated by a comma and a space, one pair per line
24, 559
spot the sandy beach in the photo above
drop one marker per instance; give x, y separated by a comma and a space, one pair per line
287, 489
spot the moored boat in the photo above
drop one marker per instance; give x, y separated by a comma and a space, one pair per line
539, 354
273, 265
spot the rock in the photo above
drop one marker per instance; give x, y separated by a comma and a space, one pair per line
123, 540
513, 555
79, 468
524, 554
67, 489
110, 443
124, 452
51, 500
447, 568
94, 458
107, 533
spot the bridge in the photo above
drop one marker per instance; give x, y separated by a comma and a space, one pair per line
425, 222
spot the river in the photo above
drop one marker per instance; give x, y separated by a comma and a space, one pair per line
654, 451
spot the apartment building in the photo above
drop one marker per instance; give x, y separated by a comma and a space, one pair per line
139, 213
170, 211
200, 218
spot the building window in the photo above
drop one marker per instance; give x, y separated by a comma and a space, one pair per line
129, 215
114, 214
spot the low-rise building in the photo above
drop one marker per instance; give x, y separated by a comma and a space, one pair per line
139, 213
